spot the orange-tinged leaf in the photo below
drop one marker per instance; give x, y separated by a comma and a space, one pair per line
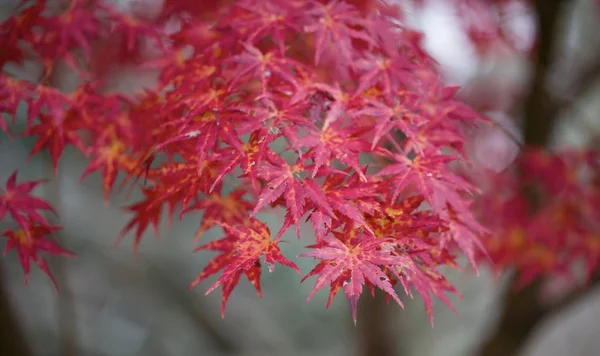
361, 261
53, 137
252, 242
333, 25
227, 247
108, 154
230, 209
146, 212
16, 200
31, 240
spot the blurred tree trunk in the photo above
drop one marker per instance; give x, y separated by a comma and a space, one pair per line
522, 311
12, 338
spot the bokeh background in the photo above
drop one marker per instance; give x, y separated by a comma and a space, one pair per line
112, 304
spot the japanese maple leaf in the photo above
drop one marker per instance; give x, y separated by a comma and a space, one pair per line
438, 101
247, 158
132, 29
264, 66
363, 259
107, 155
441, 189
253, 241
16, 200
182, 179
388, 118
32, 240
54, 138
20, 24
17, 28
75, 27
426, 280
391, 72
175, 68
266, 19
274, 117
205, 130
146, 212
350, 199
231, 209
285, 180
334, 26
380, 25
335, 141
202, 36
53, 101
198, 102
430, 175
342, 100
433, 134
467, 233
12, 92
228, 248
402, 219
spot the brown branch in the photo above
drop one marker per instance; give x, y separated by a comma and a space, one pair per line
585, 81
523, 312
12, 337
540, 109
65, 307
374, 326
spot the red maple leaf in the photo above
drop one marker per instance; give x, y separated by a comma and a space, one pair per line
29, 241
334, 25
252, 242
107, 155
53, 137
274, 117
16, 200
228, 248
431, 177
351, 198
288, 181
335, 141
52, 100
147, 212
387, 71
12, 93
75, 27
231, 209
260, 19
390, 117
264, 66
360, 259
